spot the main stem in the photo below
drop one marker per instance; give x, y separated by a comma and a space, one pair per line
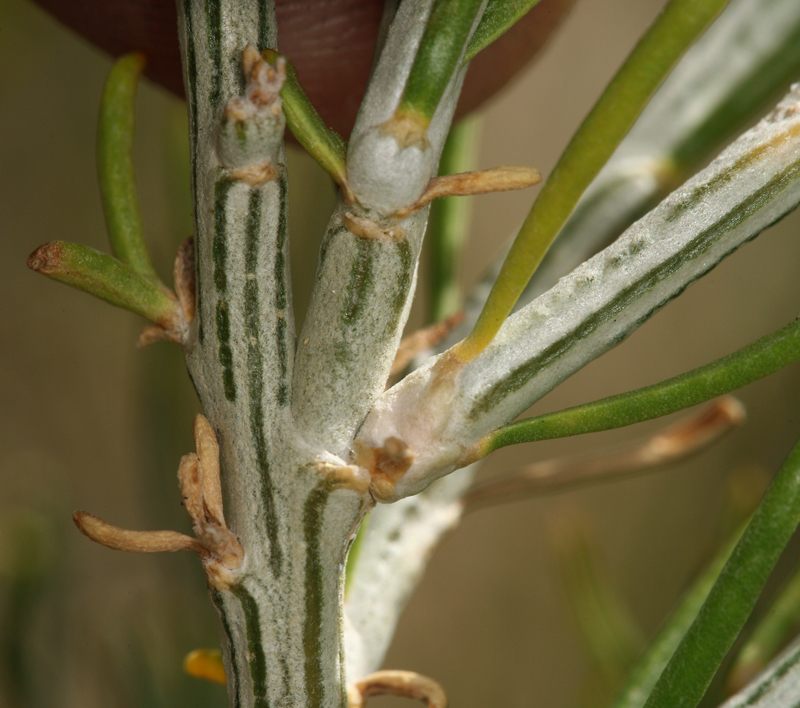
280, 619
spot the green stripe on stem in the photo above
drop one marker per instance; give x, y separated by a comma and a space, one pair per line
449, 221
115, 166
651, 665
105, 277
438, 58
768, 638
326, 146
499, 17
681, 22
730, 602
761, 358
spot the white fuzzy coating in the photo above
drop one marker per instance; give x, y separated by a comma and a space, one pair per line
385, 177
775, 686
717, 67
583, 316
258, 138
397, 543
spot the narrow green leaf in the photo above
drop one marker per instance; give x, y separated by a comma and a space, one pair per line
115, 166
105, 277
438, 58
325, 145
449, 221
499, 17
731, 600
761, 358
769, 636
681, 22
650, 666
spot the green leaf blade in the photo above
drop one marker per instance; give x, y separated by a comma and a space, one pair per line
499, 17
106, 278
772, 633
651, 665
681, 22
761, 358
437, 60
325, 145
115, 166
734, 594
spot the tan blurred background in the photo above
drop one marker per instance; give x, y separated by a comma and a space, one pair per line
88, 422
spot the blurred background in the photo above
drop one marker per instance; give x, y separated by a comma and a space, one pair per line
89, 422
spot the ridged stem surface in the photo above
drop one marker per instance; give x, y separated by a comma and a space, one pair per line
280, 620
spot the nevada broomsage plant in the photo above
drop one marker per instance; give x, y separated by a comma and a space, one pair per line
301, 438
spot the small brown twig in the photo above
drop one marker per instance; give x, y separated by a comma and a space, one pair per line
397, 683
199, 477
464, 184
675, 442
422, 339
183, 277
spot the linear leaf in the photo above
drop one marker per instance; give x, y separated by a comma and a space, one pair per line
731, 600
759, 359
751, 185
104, 277
681, 22
115, 166
498, 17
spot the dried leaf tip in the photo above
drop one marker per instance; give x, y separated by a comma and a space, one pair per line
120, 539
46, 259
263, 86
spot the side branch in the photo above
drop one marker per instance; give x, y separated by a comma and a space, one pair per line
438, 408
202, 496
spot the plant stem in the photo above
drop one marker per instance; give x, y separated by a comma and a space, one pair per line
280, 617
681, 22
761, 358
368, 262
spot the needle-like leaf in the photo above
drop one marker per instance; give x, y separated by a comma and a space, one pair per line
681, 22
115, 166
